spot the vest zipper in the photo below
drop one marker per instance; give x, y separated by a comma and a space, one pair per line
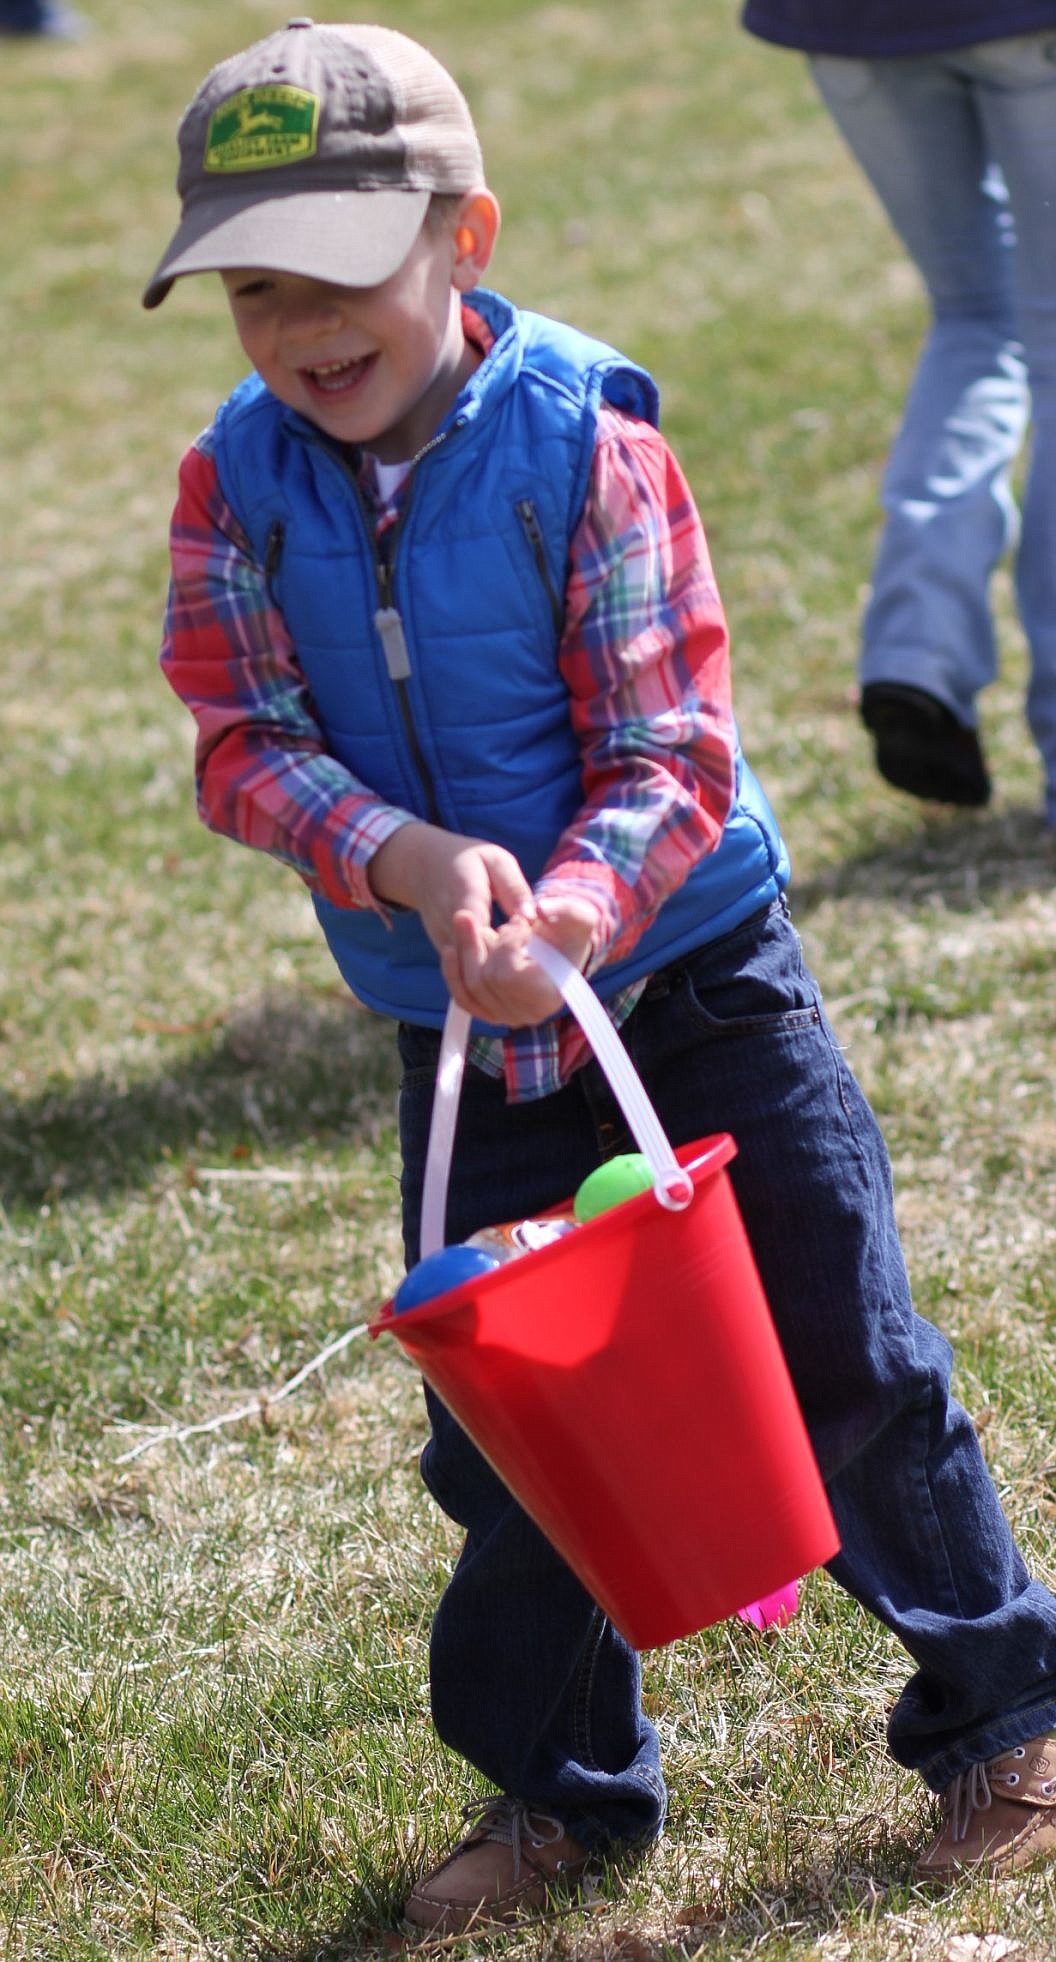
398, 667
387, 621
389, 624
533, 532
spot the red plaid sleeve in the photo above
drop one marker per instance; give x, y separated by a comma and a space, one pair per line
645, 655
263, 773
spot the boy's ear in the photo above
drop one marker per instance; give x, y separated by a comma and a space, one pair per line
475, 229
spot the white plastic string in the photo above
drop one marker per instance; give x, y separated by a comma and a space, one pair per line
671, 1184
262, 1403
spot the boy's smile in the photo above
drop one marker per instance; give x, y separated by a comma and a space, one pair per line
374, 365
339, 376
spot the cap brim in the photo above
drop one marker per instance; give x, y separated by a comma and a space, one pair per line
349, 238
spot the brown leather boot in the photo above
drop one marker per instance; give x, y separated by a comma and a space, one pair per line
509, 1863
999, 1816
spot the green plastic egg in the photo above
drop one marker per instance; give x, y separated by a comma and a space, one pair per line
618, 1179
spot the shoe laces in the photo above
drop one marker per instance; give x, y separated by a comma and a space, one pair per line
973, 1790
969, 1793
511, 1824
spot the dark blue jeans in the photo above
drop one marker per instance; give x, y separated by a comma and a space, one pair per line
530, 1683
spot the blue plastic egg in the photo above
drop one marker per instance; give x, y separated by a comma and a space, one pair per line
447, 1268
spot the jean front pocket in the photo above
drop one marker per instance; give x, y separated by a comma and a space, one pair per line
841, 78
752, 982
419, 1051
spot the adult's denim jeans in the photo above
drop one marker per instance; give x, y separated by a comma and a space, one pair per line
961, 149
529, 1681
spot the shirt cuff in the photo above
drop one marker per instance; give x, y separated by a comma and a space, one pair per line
618, 926
343, 871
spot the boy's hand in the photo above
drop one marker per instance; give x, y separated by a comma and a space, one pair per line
453, 882
491, 974
442, 875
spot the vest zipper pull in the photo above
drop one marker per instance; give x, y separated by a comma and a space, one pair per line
394, 643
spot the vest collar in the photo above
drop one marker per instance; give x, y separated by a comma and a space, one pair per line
501, 365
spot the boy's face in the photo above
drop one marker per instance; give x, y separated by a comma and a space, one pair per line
374, 365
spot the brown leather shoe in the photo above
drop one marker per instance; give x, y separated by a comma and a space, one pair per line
999, 1816
509, 1863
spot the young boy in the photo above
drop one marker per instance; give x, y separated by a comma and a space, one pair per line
442, 608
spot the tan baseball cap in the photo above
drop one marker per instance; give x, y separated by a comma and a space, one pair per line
316, 152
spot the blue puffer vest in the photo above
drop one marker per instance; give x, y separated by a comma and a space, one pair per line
434, 675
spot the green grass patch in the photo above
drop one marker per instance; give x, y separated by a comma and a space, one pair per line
214, 1730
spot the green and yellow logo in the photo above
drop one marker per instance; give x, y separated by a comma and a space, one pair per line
258, 128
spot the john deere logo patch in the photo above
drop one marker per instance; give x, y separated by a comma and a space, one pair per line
258, 128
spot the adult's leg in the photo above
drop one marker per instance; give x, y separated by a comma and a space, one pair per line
1015, 84
529, 1681
915, 129
736, 1039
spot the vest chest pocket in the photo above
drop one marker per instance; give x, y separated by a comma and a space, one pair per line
528, 518
273, 550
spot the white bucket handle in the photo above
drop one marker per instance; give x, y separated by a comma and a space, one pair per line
672, 1186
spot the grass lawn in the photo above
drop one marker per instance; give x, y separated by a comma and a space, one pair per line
214, 1735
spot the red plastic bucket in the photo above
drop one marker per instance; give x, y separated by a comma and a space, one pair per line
627, 1385
626, 1382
